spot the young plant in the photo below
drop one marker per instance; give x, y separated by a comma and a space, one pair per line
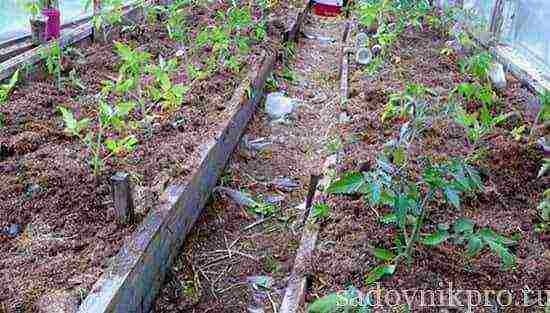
371, 13
5, 89
109, 139
395, 183
386, 36
478, 65
132, 67
405, 103
163, 90
109, 16
480, 123
52, 61
544, 209
475, 92
175, 22
320, 210
544, 111
33, 7
133, 62
168, 94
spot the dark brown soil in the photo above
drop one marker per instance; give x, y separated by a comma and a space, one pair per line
206, 277
67, 228
508, 203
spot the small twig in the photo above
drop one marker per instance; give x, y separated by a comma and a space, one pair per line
228, 249
257, 223
213, 262
232, 286
234, 252
273, 305
234, 242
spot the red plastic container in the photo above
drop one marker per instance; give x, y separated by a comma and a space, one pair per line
53, 24
327, 7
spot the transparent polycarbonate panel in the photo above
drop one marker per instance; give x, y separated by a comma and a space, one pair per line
527, 28
15, 21
479, 13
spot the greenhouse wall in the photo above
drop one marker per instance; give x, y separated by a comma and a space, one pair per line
14, 20
520, 29
527, 28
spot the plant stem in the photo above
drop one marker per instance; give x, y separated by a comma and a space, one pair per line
416, 229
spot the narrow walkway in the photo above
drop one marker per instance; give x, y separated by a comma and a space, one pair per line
236, 260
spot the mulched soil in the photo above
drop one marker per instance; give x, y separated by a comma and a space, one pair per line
507, 204
206, 277
65, 217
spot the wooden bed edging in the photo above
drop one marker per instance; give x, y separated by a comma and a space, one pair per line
295, 291
137, 272
344, 65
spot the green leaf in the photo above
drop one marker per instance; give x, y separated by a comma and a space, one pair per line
351, 182
504, 254
389, 218
327, 304
463, 225
375, 192
111, 145
475, 244
124, 108
383, 254
130, 143
180, 89
378, 272
435, 239
320, 210
452, 196
399, 156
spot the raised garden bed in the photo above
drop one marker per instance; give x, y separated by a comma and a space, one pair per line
59, 229
357, 243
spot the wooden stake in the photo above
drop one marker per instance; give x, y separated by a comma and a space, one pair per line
122, 198
313, 182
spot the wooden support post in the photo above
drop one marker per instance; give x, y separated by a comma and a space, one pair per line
96, 6
122, 198
313, 182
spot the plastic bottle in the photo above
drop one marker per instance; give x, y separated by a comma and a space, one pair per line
53, 23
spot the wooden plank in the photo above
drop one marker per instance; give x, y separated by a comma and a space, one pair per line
295, 291
344, 65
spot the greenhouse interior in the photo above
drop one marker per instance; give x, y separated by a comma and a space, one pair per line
315, 156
